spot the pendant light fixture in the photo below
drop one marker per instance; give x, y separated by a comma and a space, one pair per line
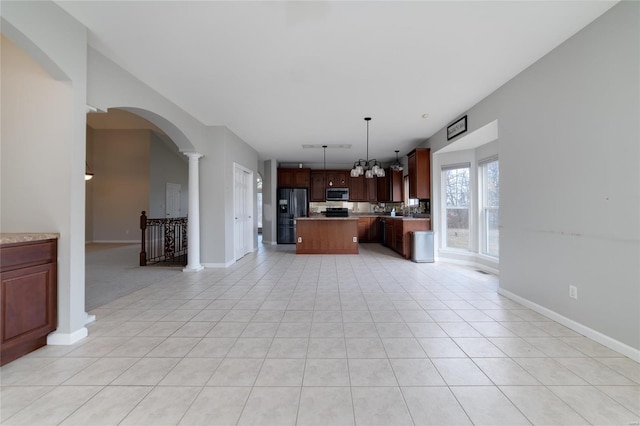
396, 165
370, 168
324, 164
87, 173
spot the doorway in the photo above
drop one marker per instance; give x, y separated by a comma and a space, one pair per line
173, 194
243, 211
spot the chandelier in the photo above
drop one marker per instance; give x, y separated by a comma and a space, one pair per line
396, 165
370, 168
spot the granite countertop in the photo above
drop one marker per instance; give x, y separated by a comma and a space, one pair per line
407, 218
355, 216
326, 218
23, 237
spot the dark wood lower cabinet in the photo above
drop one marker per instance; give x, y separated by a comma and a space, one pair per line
28, 297
369, 230
398, 233
326, 236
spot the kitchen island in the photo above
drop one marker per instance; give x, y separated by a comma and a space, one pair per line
327, 235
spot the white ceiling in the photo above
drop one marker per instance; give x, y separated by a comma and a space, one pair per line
284, 74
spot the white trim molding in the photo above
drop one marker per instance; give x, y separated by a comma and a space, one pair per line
592, 334
219, 265
471, 259
64, 339
114, 242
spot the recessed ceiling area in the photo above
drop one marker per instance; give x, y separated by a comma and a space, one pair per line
281, 75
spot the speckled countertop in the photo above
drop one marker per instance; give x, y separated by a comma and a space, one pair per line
23, 237
406, 218
326, 218
358, 215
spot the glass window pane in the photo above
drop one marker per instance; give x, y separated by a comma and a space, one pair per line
492, 184
458, 228
457, 193
457, 187
491, 208
493, 233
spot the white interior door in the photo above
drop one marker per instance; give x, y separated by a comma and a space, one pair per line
243, 211
172, 202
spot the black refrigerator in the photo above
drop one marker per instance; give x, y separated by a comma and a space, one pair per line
292, 203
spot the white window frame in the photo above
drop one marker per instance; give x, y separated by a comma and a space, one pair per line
483, 208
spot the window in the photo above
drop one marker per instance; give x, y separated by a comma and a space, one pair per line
490, 207
457, 200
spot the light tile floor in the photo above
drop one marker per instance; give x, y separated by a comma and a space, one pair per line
282, 339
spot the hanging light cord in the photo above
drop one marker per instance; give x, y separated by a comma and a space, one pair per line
367, 119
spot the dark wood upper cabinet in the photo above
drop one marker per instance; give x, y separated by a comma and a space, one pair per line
357, 188
419, 173
317, 191
372, 190
338, 178
294, 178
389, 187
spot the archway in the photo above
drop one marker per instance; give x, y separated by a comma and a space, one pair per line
134, 163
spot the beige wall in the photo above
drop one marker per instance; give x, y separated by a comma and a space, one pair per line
121, 183
131, 168
35, 124
166, 165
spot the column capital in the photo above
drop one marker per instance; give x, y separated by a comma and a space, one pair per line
192, 154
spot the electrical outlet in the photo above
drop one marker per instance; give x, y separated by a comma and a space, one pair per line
355, 239
299, 239
573, 292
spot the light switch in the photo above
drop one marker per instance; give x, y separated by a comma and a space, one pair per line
299, 239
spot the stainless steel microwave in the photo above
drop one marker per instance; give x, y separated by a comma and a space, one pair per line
337, 194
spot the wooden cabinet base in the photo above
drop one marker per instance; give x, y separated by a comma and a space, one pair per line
327, 236
28, 297
14, 352
398, 233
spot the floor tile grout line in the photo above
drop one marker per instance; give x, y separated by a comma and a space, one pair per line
341, 291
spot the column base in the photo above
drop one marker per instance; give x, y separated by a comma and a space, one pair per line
193, 268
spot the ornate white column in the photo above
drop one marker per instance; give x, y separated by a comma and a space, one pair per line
193, 226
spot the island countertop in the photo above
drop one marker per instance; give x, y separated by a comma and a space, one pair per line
326, 218
405, 218
24, 237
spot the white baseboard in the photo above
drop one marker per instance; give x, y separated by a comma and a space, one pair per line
469, 263
57, 338
272, 243
89, 318
603, 339
219, 265
116, 241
